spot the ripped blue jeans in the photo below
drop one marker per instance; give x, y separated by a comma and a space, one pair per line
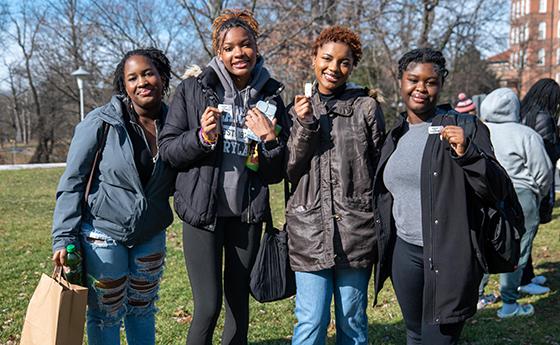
123, 283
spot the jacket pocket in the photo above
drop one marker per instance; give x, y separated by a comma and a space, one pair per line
305, 235
115, 204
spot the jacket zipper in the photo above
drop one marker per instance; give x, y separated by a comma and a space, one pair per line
431, 233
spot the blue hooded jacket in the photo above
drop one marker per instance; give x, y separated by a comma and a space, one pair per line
118, 204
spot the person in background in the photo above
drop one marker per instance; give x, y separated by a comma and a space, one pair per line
538, 111
332, 154
465, 105
121, 227
431, 178
222, 191
520, 150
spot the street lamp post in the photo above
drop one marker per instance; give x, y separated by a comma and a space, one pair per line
80, 75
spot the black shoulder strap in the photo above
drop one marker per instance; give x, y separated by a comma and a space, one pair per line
468, 123
98, 154
272, 88
465, 121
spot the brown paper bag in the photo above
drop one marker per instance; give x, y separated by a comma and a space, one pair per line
56, 313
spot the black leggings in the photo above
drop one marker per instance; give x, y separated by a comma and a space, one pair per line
408, 281
203, 257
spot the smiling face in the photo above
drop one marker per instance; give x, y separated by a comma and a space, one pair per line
238, 52
332, 65
420, 87
143, 83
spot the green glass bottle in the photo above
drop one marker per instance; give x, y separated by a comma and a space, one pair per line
74, 263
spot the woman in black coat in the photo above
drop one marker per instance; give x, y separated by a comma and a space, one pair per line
430, 178
227, 152
538, 111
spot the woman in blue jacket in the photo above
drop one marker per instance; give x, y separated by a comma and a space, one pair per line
121, 227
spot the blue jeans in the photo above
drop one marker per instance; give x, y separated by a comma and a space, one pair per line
509, 282
123, 282
313, 301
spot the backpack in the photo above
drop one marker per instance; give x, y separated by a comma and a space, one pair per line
502, 224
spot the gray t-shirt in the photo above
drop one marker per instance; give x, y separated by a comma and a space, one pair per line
402, 179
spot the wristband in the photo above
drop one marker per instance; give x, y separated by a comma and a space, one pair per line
206, 139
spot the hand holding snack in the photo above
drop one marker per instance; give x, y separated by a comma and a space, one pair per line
209, 123
261, 125
302, 107
455, 136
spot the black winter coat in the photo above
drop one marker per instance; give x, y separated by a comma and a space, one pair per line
195, 195
451, 192
545, 126
331, 165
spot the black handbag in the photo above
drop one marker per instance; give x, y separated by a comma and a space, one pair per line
272, 278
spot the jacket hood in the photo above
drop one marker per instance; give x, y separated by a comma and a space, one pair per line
501, 105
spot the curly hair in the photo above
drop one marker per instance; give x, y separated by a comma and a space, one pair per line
340, 34
424, 55
543, 96
229, 19
157, 58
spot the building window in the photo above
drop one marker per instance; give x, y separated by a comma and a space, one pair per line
542, 31
542, 6
524, 59
527, 6
540, 57
526, 31
558, 30
558, 56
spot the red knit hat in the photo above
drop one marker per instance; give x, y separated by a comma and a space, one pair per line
465, 104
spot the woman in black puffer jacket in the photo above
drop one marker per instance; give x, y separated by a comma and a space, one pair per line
538, 111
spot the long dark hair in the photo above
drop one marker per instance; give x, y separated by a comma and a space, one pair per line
543, 96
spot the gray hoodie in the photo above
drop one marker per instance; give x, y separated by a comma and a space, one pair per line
233, 173
519, 149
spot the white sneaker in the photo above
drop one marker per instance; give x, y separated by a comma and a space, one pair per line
539, 280
533, 289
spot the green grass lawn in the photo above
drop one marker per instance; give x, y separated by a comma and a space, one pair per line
26, 204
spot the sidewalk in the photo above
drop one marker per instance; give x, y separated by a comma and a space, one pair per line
31, 166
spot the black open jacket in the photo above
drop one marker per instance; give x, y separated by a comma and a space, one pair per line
195, 196
452, 190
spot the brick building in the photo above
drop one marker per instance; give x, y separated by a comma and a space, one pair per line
534, 40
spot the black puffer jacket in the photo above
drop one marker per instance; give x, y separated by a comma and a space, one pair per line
451, 192
545, 126
331, 165
195, 195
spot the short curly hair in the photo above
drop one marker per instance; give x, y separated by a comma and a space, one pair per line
158, 59
229, 19
340, 34
424, 55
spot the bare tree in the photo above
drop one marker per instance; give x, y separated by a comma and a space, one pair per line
27, 24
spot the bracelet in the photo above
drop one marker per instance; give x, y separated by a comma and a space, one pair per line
206, 139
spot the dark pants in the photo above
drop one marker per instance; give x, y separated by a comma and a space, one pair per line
408, 282
203, 256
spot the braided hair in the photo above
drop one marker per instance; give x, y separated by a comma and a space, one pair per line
544, 96
340, 34
424, 55
229, 19
156, 57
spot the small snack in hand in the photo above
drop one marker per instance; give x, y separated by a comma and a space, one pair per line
308, 90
